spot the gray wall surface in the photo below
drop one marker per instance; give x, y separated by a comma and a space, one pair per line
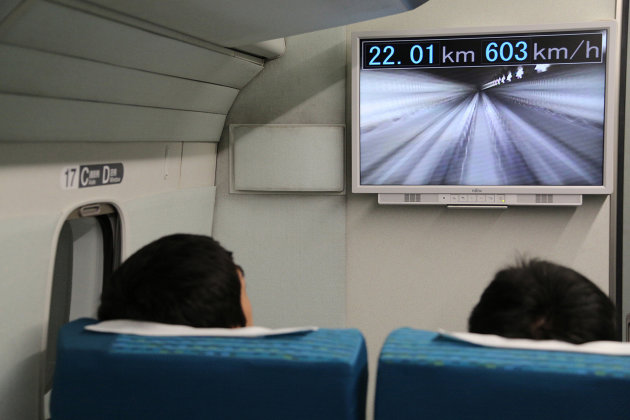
346, 261
333, 260
155, 198
291, 246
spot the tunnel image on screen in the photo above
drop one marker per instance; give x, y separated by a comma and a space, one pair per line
500, 125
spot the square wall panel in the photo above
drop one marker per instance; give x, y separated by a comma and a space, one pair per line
279, 158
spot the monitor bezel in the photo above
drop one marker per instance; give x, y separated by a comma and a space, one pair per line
610, 109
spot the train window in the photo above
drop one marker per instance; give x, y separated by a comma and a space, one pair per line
88, 250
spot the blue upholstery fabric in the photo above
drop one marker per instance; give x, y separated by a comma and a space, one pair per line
420, 377
319, 375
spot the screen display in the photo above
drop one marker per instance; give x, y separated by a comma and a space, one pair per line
519, 110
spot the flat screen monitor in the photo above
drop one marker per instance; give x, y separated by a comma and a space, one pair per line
519, 110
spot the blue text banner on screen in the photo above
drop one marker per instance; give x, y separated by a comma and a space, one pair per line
567, 48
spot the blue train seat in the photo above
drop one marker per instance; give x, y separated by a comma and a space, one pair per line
318, 375
420, 376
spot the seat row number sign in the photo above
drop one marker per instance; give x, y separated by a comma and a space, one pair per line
83, 176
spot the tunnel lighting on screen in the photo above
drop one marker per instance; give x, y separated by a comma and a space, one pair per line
522, 110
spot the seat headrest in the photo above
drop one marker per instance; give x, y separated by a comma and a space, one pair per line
319, 375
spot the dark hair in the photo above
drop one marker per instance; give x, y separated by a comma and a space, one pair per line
542, 300
178, 279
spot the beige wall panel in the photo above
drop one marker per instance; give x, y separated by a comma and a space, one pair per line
32, 210
198, 165
31, 174
50, 27
291, 246
181, 211
25, 252
28, 118
287, 158
37, 73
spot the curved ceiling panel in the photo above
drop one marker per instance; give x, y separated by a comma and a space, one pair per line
244, 22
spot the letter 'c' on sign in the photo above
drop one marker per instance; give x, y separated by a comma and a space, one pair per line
85, 175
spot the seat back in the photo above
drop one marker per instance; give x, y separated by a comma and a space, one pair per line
423, 376
318, 375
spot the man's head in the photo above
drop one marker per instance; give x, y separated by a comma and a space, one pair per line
178, 279
541, 300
